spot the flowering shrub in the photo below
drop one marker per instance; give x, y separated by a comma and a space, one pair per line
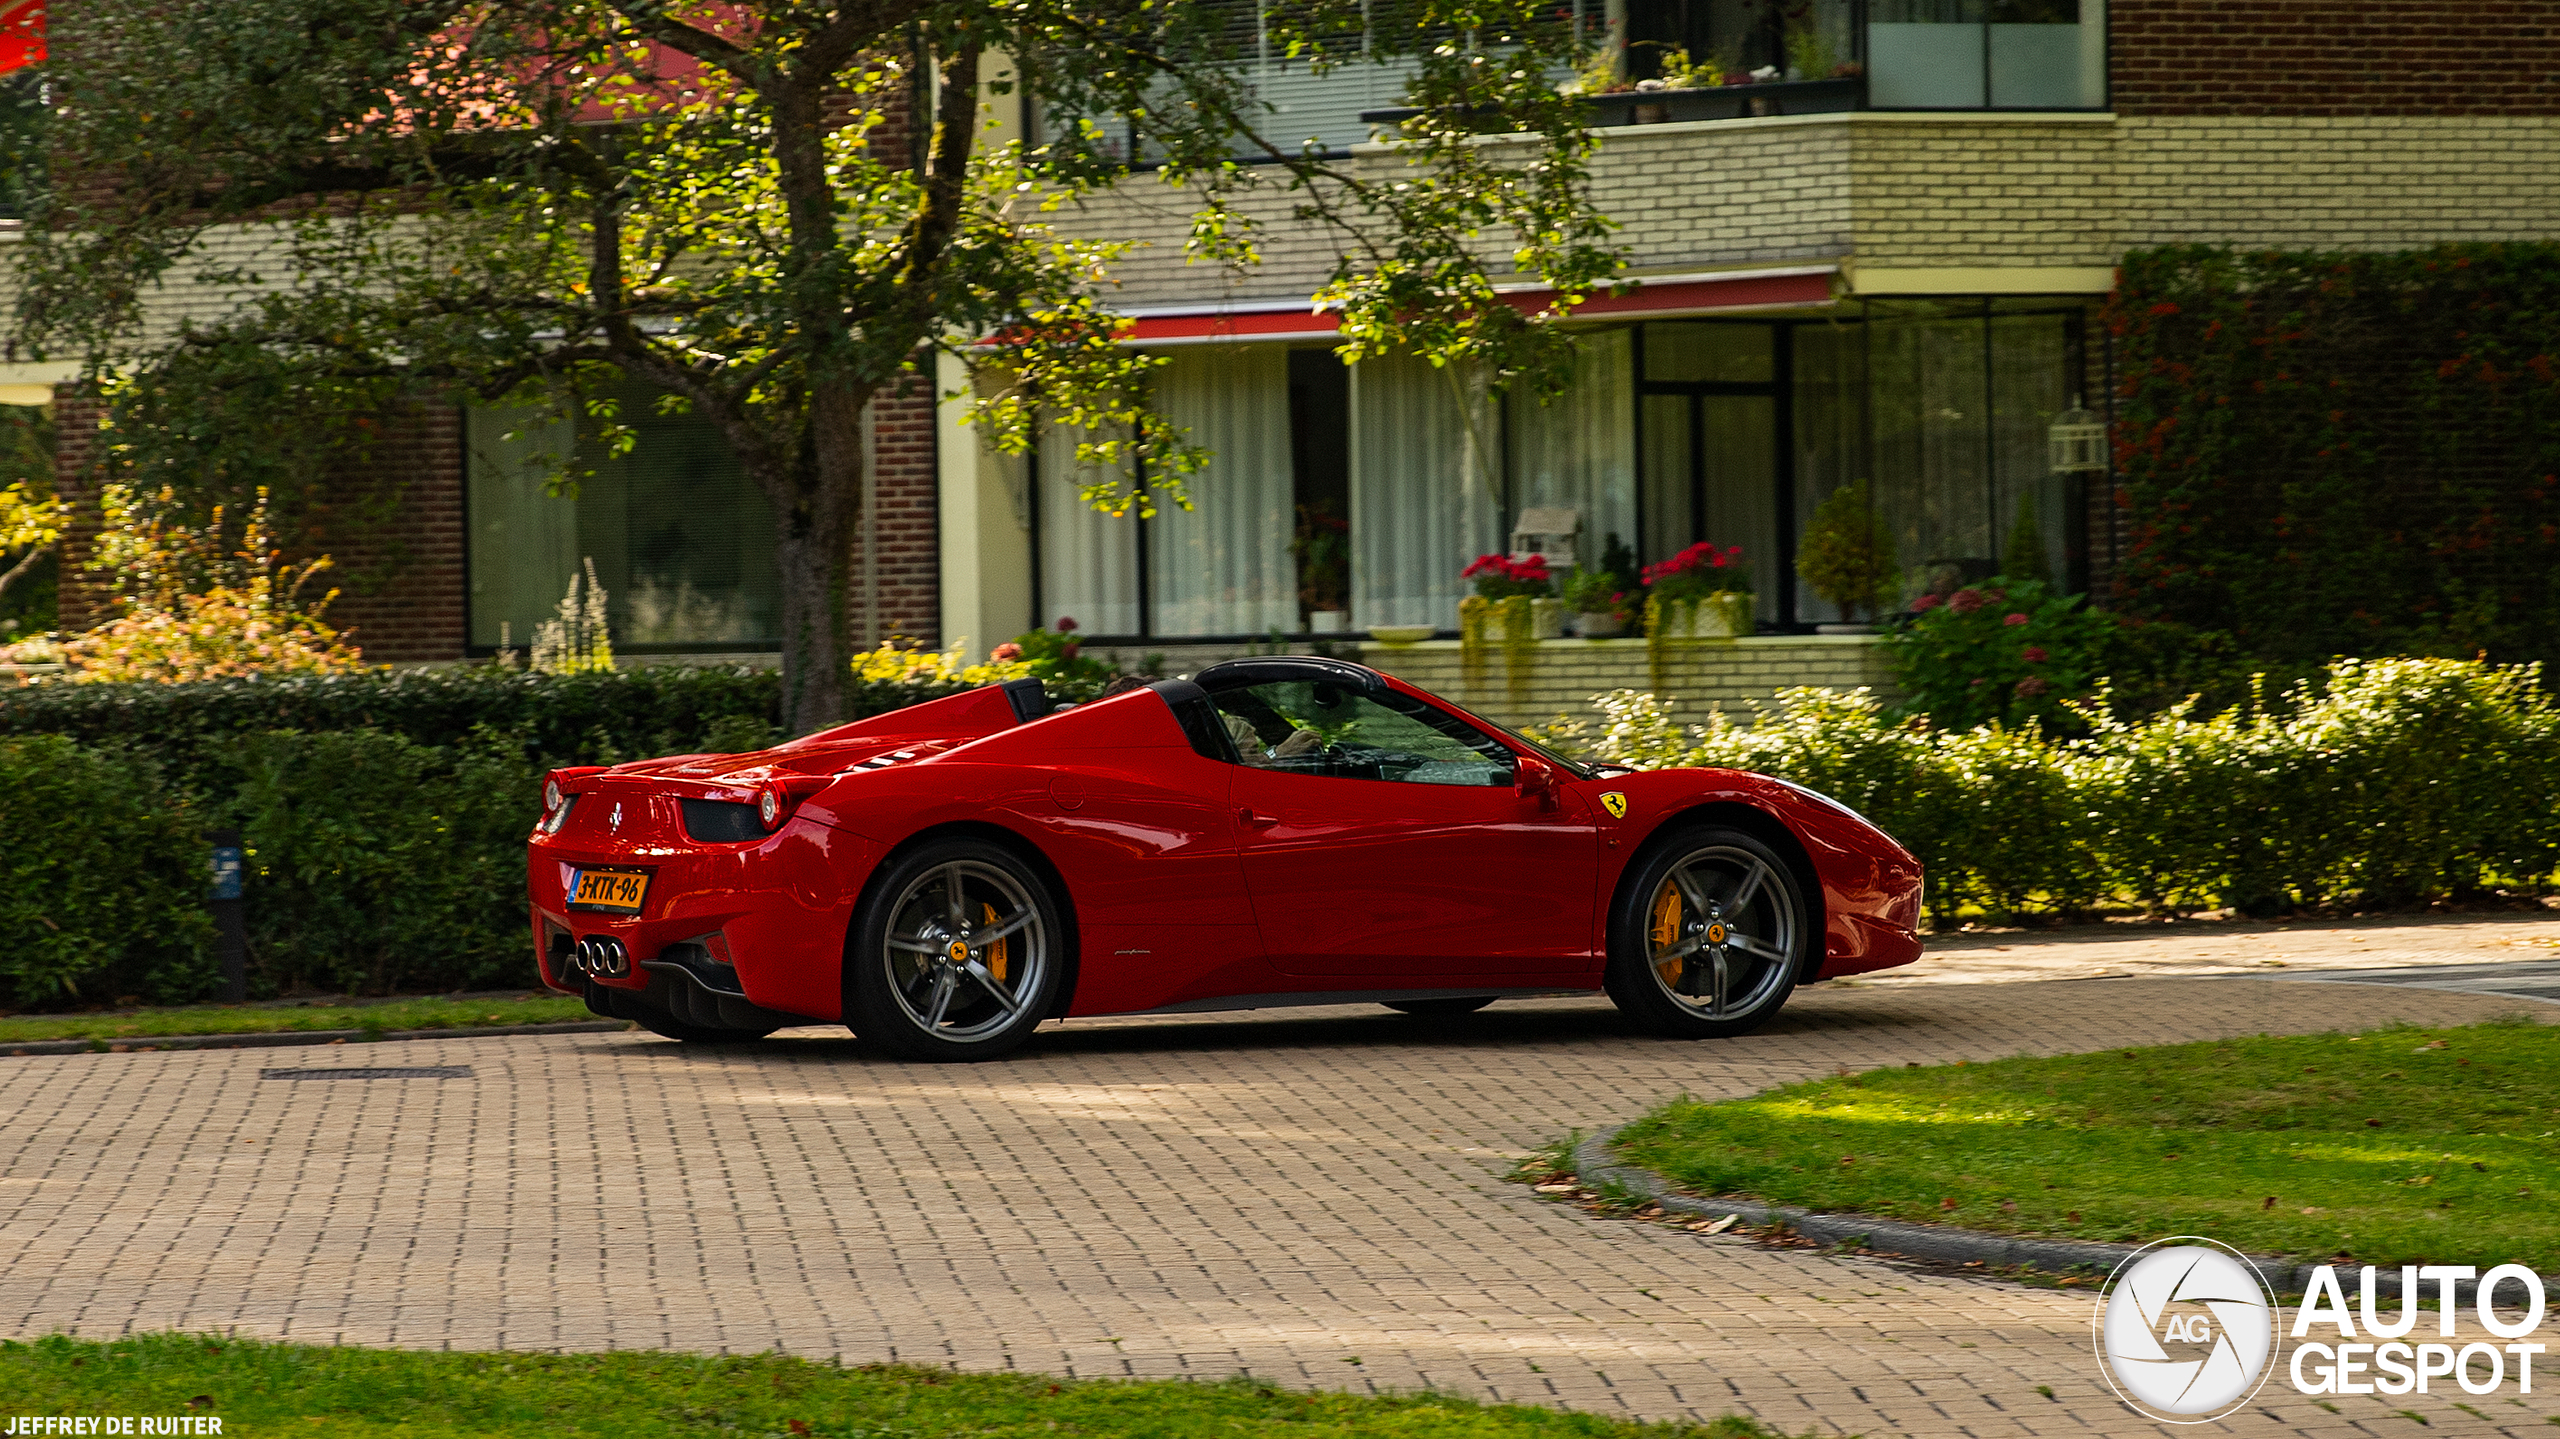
1702, 569
189, 608
2401, 780
2005, 651
913, 664
1500, 577
1057, 659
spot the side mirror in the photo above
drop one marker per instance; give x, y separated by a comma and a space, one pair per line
1535, 779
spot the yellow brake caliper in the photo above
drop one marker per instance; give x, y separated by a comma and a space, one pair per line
996, 951
1666, 931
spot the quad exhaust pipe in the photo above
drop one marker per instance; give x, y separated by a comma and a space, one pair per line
601, 956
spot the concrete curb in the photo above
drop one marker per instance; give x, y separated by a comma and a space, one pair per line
294, 1038
1595, 1164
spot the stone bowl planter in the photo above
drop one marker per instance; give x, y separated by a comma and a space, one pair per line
1401, 634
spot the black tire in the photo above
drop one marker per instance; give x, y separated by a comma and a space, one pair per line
657, 1023
1439, 1008
1706, 899
909, 991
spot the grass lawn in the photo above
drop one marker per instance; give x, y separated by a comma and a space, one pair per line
269, 1019
287, 1389
2398, 1146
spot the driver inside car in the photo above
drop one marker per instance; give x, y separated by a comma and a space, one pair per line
1250, 748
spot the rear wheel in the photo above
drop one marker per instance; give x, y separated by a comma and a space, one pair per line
1707, 937
1439, 1008
959, 955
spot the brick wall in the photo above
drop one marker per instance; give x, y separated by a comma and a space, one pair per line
906, 486
1559, 677
400, 574
2335, 57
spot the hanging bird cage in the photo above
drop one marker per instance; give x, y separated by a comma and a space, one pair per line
2079, 441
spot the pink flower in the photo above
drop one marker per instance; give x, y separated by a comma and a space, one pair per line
1007, 652
1066, 626
2015, 620
1965, 602
2034, 654
1926, 603
2033, 685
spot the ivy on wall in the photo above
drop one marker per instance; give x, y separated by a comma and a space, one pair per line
2323, 453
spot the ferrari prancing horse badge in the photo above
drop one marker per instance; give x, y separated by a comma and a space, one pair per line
1615, 803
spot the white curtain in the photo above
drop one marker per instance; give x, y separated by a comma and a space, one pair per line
1223, 567
1088, 560
1421, 500
1579, 452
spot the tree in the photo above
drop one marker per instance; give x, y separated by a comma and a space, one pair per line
525, 200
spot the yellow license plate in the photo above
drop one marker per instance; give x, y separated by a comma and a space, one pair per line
616, 890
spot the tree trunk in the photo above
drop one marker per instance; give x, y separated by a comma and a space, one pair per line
813, 552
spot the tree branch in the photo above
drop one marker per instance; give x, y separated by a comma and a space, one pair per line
19, 570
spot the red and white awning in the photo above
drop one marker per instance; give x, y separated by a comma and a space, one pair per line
1654, 297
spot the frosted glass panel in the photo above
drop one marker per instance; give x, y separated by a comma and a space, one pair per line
2037, 67
1924, 67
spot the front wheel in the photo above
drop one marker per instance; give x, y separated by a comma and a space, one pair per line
1708, 935
958, 956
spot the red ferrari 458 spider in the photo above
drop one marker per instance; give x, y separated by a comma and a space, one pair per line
1277, 831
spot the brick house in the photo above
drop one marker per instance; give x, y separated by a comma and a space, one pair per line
1886, 272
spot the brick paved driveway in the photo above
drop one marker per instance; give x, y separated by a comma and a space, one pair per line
1310, 1197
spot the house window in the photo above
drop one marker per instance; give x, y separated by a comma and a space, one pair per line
1915, 54
681, 540
1987, 54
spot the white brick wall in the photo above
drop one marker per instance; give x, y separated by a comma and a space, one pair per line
1557, 678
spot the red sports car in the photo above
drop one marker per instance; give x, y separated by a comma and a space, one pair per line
1277, 831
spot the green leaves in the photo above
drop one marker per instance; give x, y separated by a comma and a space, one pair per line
2400, 780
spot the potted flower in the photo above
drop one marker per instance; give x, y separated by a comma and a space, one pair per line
1701, 593
1848, 558
1518, 593
1598, 602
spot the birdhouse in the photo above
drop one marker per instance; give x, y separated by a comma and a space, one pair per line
1555, 533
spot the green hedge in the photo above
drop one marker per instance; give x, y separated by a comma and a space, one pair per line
384, 814
106, 869
557, 719
2399, 780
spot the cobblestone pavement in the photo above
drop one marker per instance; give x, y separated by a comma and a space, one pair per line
1313, 1197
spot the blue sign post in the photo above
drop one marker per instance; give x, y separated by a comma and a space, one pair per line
230, 923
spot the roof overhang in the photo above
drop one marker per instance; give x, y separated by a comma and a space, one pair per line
1649, 297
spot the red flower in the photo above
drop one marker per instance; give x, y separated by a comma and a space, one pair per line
2034, 654
1965, 602
1069, 650
1066, 626
1704, 555
1007, 652
2015, 620
1926, 603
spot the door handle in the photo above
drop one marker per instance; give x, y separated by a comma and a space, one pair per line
1249, 819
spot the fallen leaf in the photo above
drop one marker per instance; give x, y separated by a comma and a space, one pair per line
1946, 1204
2270, 1204
1719, 1226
